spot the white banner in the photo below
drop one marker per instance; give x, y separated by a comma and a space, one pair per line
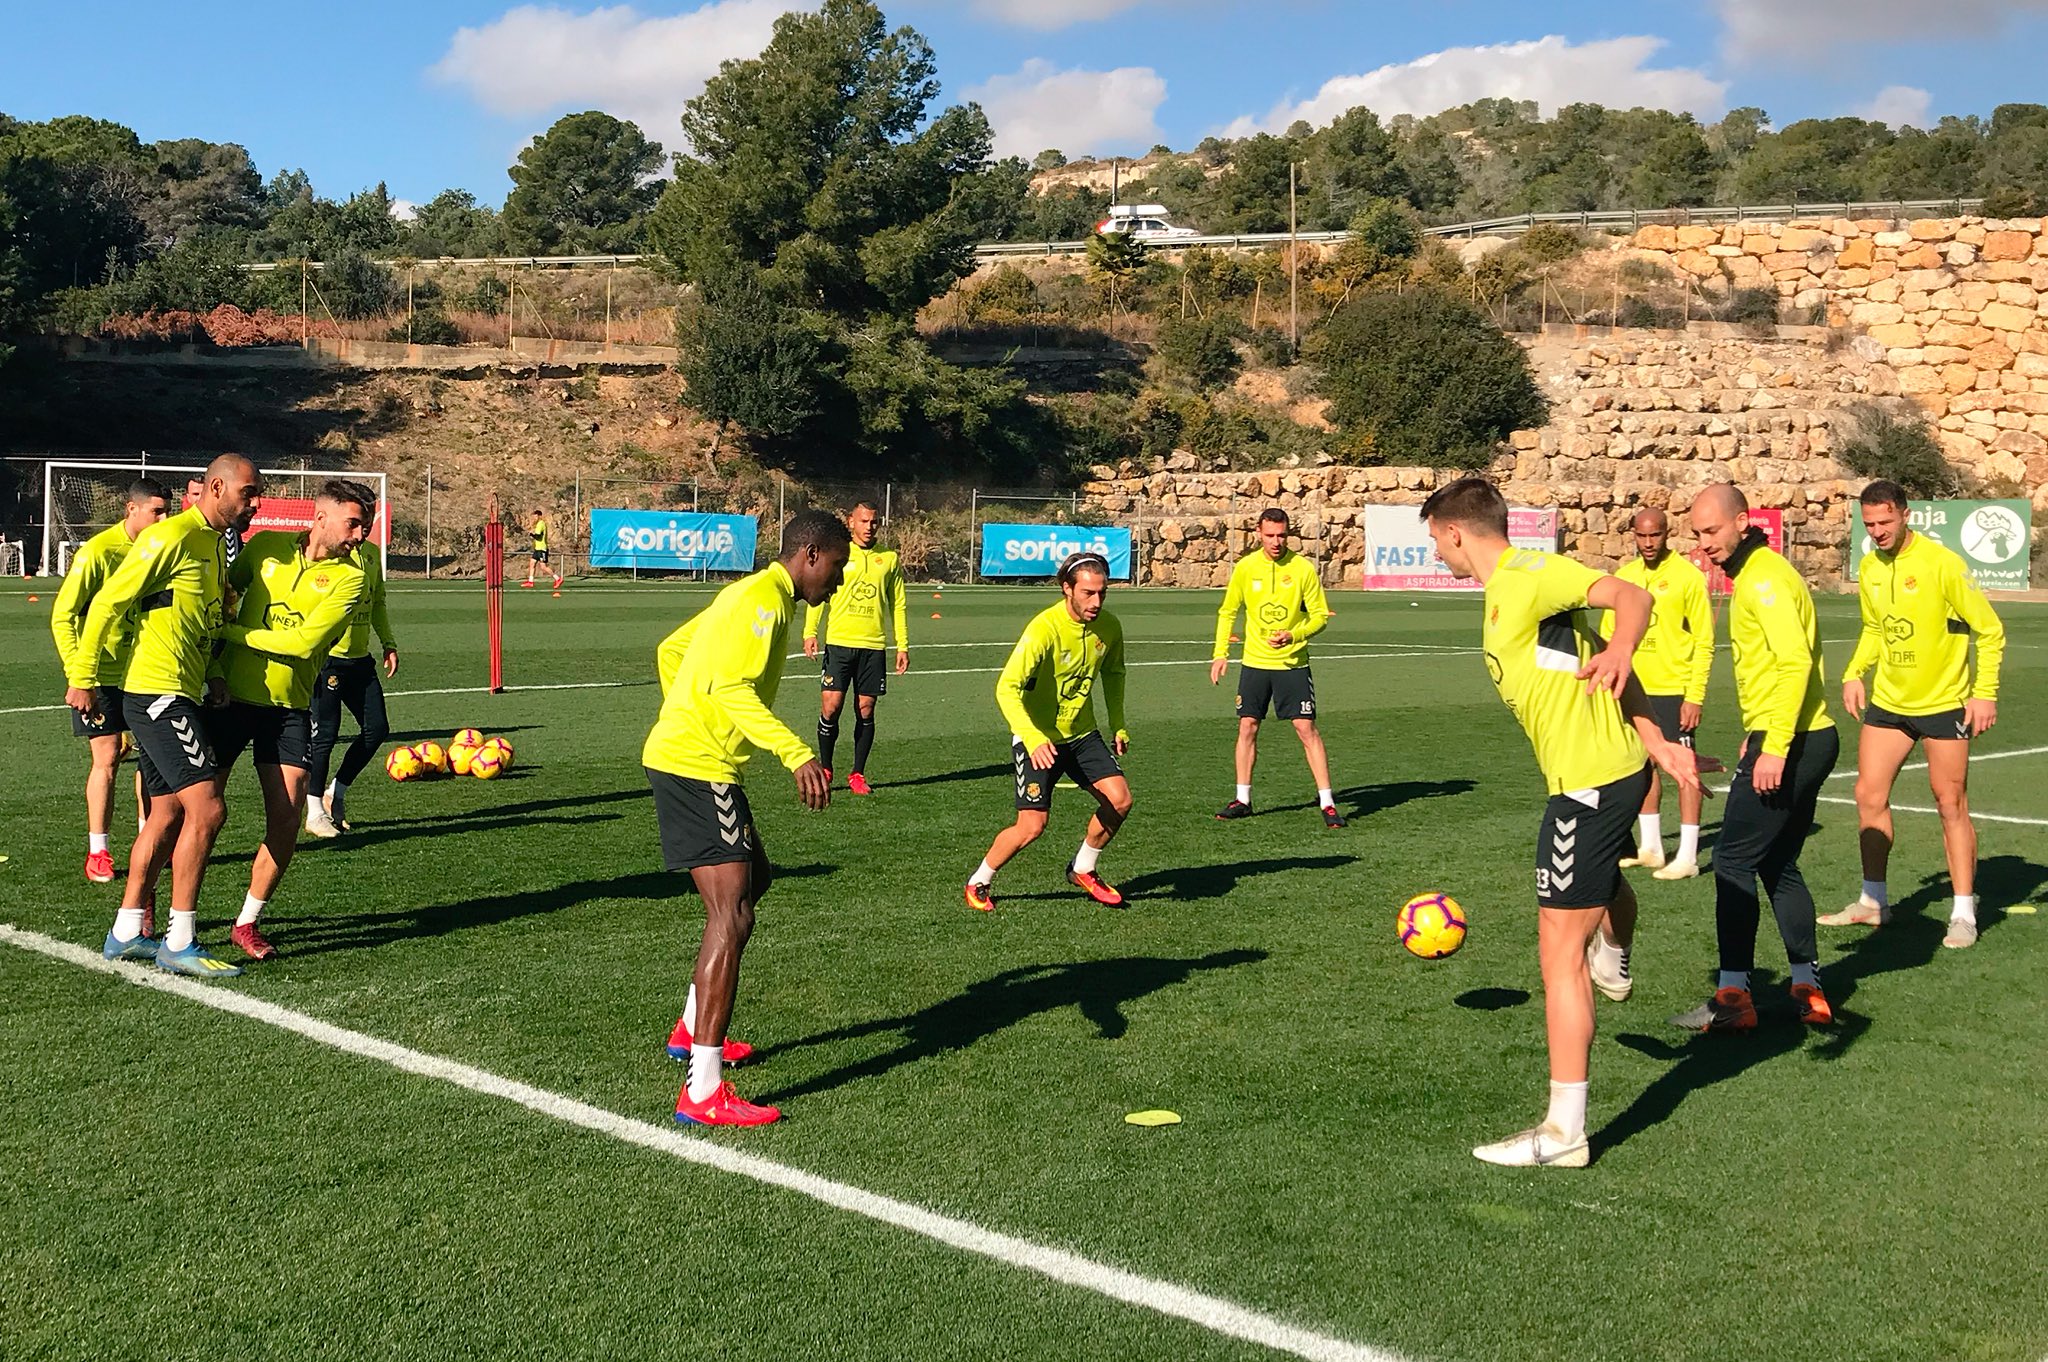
1400, 557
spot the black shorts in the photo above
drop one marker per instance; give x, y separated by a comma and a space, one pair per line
1580, 846
111, 720
280, 737
1290, 692
1665, 709
1949, 725
702, 823
864, 671
1086, 760
171, 742
538, 555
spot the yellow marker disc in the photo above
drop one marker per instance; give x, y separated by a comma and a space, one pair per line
2026, 908
1153, 1118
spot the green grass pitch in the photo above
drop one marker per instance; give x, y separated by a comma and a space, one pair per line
184, 1183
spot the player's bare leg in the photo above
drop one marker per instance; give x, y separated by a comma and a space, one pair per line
1319, 767
1562, 938
99, 806
1607, 952
1880, 752
729, 892
1247, 757
1948, 776
182, 828
1112, 807
284, 792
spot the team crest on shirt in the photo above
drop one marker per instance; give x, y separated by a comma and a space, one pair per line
1494, 617
1031, 791
1910, 585
1287, 581
320, 582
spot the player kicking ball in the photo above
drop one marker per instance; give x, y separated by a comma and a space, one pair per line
1046, 692
719, 674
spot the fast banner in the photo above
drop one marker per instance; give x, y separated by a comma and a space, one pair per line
1038, 550
672, 541
1994, 537
1400, 557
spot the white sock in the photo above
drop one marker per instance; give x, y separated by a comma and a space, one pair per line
1085, 858
986, 874
1325, 799
1650, 831
313, 804
1688, 841
1613, 954
707, 1070
1734, 978
1808, 973
95, 842
184, 927
1875, 891
127, 924
690, 1011
1567, 1114
252, 908
1244, 794
1965, 909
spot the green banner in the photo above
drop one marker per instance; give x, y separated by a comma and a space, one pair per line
1994, 537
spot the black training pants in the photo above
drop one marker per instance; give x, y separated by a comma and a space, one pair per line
1761, 837
351, 681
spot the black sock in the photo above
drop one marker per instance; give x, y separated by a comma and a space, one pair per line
863, 742
828, 738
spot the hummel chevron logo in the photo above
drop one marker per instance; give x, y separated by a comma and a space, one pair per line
1564, 844
190, 740
1567, 825
1561, 879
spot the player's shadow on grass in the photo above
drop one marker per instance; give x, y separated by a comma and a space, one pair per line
467, 820
1211, 881
988, 772
412, 735
1362, 801
1099, 988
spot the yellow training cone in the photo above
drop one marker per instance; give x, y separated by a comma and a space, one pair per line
1153, 1118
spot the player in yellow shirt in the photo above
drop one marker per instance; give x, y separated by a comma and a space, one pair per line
1284, 607
1576, 697
1790, 749
1673, 662
719, 674
349, 678
853, 642
91, 566
173, 586
1047, 693
1920, 610
537, 557
297, 592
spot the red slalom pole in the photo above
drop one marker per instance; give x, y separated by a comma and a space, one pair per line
494, 594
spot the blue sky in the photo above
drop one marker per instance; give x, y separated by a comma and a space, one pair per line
427, 96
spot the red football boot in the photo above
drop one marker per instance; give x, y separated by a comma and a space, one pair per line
724, 1108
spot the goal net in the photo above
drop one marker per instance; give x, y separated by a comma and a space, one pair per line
81, 499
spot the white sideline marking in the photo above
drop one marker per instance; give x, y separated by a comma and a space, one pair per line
1203, 662
440, 690
1976, 815
1975, 757
1210, 1312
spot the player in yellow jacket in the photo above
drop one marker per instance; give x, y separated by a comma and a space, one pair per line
1284, 607
1920, 610
1047, 693
1786, 758
1673, 662
91, 566
853, 618
719, 674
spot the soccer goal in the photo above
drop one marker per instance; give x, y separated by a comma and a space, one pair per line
81, 499
13, 558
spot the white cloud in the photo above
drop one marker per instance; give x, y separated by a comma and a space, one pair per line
1762, 30
1046, 15
535, 59
1902, 106
1551, 71
1080, 112
404, 210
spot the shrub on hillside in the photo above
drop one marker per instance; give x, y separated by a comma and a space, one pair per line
2010, 201
1547, 243
1427, 376
1005, 295
1203, 351
1882, 444
1756, 308
429, 327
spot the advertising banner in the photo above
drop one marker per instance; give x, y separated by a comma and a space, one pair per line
1038, 550
1771, 521
671, 541
1995, 538
296, 514
1400, 557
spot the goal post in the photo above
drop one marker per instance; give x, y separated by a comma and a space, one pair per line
83, 497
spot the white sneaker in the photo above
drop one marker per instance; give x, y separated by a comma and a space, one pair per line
1864, 912
1962, 933
1648, 858
1538, 1147
319, 824
1610, 971
1686, 869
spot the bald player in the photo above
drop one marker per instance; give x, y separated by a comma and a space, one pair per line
1672, 662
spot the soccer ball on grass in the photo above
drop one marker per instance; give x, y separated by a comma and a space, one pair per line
1431, 925
402, 763
433, 760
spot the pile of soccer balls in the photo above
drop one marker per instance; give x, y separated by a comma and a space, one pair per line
468, 753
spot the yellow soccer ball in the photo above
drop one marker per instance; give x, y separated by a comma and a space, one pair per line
459, 757
402, 763
433, 760
484, 764
503, 747
466, 737
1431, 925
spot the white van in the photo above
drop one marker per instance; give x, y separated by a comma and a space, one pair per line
1141, 222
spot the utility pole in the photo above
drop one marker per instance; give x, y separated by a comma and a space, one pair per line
1116, 167
1293, 269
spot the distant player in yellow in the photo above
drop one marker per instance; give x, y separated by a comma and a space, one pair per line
1920, 610
719, 675
1576, 697
1047, 693
537, 556
1284, 607
1786, 758
91, 566
1673, 662
853, 619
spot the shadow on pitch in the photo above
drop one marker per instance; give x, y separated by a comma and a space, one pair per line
1099, 988
944, 777
1492, 999
413, 735
1209, 881
1362, 801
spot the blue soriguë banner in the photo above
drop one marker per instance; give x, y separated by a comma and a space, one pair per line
671, 541
1038, 550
